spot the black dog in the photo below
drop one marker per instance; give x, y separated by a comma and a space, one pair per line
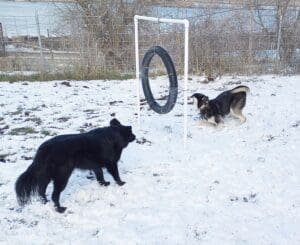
56, 159
232, 101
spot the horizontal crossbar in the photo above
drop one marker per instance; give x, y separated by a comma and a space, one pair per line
162, 20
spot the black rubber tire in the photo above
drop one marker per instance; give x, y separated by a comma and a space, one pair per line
173, 88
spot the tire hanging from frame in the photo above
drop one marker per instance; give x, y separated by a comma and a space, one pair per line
173, 84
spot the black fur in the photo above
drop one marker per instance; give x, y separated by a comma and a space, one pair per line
58, 157
214, 110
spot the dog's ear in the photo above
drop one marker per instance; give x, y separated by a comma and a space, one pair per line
194, 96
114, 122
205, 99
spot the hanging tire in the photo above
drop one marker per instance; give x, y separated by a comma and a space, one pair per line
173, 84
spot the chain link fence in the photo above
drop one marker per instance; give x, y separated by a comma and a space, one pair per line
93, 40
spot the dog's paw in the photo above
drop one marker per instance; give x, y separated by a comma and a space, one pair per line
204, 124
200, 123
243, 120
105, 183
120, 183
220, 125
60, 209
91, 177
44, 200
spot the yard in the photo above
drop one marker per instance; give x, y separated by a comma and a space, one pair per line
234, 184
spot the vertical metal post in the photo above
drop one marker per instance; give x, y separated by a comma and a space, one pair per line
2, 44
40, 41
186, 70
279, 39
137, 69
250, 47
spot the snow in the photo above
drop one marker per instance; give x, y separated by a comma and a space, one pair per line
235, 184
16, 73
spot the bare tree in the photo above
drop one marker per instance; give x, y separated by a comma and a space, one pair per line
285, 26
102, 31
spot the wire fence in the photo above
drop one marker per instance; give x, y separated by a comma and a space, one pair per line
231, 39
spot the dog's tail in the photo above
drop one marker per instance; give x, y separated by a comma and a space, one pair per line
239, 89
29, 182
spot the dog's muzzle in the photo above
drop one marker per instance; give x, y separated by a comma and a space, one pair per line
132, 138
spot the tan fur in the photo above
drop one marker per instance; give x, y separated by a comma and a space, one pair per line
238, 114
212, 120
242, 89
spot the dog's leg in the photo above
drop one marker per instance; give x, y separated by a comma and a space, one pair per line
219, 120
238, 114
113, 170
42, 190
212, 120
203, 122
60, 183
100, 178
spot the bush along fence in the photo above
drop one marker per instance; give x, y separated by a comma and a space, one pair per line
81, 43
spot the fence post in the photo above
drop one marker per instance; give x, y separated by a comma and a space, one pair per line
2, 44
42, 67
250, 44
51, 47
278, 40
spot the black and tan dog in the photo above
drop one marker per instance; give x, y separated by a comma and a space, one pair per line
231, 101
56, 159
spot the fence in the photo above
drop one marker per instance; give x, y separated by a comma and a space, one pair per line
240, 39
2, 44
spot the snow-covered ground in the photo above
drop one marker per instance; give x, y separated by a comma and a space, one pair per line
236, 184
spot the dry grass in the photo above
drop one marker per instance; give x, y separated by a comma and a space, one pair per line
96, 41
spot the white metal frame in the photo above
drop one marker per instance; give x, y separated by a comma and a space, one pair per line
186, 58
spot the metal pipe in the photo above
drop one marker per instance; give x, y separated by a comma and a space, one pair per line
186, 65
137, 69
